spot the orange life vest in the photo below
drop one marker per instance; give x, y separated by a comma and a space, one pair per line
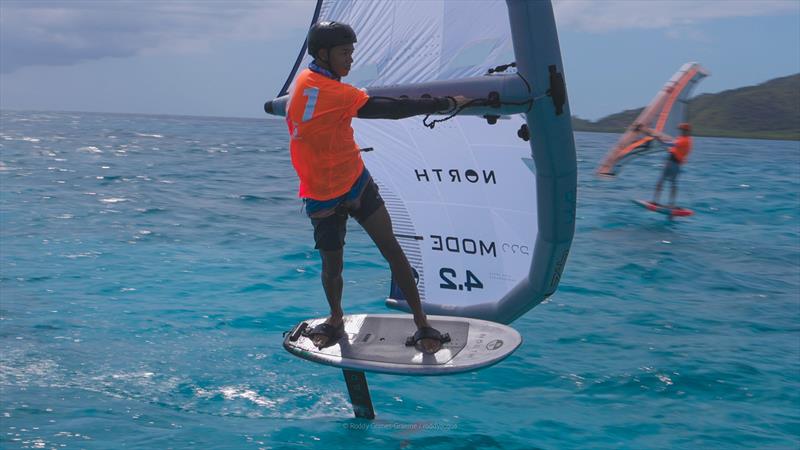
324, 152
681, 148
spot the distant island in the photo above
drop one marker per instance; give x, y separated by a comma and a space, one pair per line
770, 110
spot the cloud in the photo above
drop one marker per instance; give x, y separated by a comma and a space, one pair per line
64, 33
616, 15
59, 32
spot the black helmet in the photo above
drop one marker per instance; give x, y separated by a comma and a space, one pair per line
329, 34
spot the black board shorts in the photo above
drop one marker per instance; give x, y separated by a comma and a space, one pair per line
329, 231
671, 168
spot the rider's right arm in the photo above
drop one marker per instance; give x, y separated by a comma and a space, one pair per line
400, 108
665, 138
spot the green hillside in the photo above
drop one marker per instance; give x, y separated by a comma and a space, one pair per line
770, 110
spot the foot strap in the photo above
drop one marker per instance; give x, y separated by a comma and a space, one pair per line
427, 333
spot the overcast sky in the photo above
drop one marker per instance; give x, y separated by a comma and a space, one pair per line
224, 58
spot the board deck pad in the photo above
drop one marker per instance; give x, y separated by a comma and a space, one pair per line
376, 343
655, 207
382, 339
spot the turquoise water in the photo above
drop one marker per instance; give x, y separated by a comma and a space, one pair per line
150, 264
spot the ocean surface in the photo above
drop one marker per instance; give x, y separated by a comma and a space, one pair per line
150, 264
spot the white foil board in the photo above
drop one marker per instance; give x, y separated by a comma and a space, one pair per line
376, 343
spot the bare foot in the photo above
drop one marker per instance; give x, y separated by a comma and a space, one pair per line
430, 346
427, 339
326, 335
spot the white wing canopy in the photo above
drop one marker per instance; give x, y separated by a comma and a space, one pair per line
462, 196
